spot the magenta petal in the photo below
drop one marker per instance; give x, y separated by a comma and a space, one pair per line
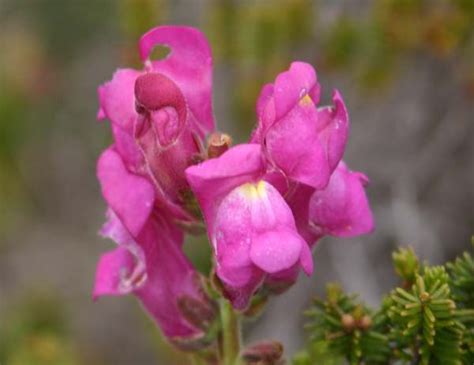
114, 229
291, 86
342, 208
253, 233
265, 96
127, 147
333, 127
113, 266
278, 180
117, 99
189, 65
293, 145
276, 250
169, 277
159, 278
130, 196
265, 113
279, 281
315, 93
298, 199
214, 178
240, 276
306, 259
235, 267
231, 237
240, 296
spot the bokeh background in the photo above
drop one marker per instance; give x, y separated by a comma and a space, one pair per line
405, 68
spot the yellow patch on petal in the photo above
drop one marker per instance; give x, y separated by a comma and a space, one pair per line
254, 191
306, 100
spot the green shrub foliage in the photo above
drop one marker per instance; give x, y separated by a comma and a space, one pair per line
428, 319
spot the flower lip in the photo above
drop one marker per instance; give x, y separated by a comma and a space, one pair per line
154, 91
253, 190
160, 101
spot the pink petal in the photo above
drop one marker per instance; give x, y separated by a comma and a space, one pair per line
291, 86
169, 277
268, 210
189, 65
293, 144
298, 199
127, 147
117, 103
306, 259
265, 96
130, 196
240, 296
280, 281
265, 113
117, 99
114, 229
278, 180
253, 214
342, 208
231, 238
112, 268
333, 127
214, 178
276, 250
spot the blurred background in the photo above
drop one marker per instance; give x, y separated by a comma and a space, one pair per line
405, 68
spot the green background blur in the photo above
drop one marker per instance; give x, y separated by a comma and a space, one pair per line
405, 68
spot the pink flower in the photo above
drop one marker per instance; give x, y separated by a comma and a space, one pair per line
160, 115
149, 261
250, 226
342, 208
264, 203
303, 141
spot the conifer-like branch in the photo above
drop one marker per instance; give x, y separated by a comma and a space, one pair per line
428, 319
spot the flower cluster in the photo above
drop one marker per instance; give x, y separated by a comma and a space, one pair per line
264, 203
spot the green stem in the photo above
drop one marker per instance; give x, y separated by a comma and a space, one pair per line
230, 334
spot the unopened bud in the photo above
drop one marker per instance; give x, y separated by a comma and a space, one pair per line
263, 353
348, 322
365, 323
200, 313
217, 144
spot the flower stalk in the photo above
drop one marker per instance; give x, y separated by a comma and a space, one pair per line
230, 343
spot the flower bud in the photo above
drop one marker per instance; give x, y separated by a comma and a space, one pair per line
263, 353
199, 313
217, 144
365, 323
348, 322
